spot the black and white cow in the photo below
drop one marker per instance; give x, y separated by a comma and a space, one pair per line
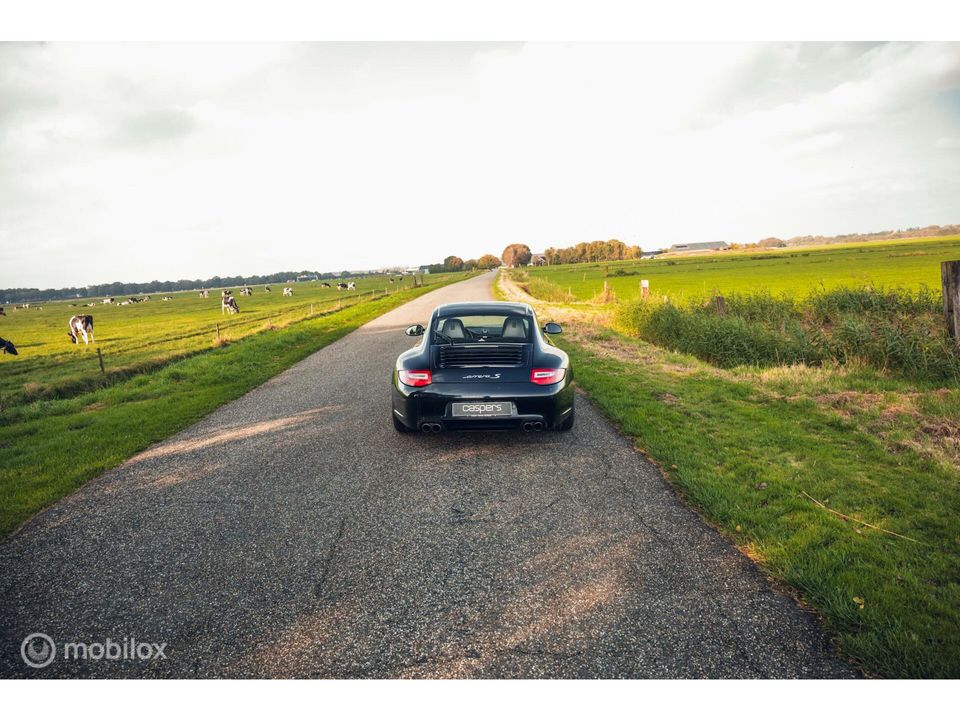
228, 303
107, 301
7, 347
288, 292
166, 298
81, 326
2, 312
324, 284
341, 286
266, 288
204, 293
246, 291
351, 286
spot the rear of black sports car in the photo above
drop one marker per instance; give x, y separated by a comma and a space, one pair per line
483, 366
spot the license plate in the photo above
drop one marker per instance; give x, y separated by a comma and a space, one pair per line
482, 409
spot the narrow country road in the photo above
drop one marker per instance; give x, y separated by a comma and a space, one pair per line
293, 532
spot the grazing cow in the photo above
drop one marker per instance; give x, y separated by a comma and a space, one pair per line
166, 298
266, 288
107, 301
8, 347
81, 325
391, 279
205, 293
246, 291
93, 304
341, 286
125, 302
288, 292
228, 303
324, 284
351, 286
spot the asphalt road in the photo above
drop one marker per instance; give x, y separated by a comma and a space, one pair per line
294, 533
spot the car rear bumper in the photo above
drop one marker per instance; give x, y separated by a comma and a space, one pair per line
549, 405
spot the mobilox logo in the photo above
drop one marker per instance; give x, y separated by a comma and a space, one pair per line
39, 650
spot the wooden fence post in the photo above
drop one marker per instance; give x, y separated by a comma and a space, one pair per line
721, 305
100, 358
950, 274
218, 331
644, 288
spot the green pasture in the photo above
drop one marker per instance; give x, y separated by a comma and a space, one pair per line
138, 337
797, 271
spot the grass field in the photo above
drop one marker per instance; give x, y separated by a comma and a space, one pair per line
900, 263
841, 480
144, 336
62, 422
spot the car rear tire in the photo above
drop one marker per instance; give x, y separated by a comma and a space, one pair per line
399, 426
568, 423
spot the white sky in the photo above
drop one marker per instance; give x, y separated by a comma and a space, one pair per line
139, 162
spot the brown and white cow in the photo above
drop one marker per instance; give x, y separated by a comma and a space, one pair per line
81, 326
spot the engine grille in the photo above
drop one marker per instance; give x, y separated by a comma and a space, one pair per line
481, 355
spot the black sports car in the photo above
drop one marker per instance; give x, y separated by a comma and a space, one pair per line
482, 366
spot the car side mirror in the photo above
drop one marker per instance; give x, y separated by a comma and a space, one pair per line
552, 328
414, 330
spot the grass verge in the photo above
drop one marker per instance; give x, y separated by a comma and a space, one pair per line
754, 451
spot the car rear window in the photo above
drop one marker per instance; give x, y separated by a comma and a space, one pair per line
484, 328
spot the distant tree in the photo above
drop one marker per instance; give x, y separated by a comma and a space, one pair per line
452, 263
772, 242
469, 264
487, 262
516, 254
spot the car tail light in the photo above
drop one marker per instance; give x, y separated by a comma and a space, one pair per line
416, 378
546, 376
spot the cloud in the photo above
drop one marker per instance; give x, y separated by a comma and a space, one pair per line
140, 161
155, 126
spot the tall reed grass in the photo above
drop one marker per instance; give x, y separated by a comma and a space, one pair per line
898, 331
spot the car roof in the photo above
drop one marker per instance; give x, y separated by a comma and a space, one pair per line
490, 307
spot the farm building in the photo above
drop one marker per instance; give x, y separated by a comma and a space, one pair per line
697, 246
538, 259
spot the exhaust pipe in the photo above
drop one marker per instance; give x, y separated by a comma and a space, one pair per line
538, 426
431, 427
527, 426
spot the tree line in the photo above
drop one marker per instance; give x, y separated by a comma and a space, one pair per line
519, 254
10, 295
452, 263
